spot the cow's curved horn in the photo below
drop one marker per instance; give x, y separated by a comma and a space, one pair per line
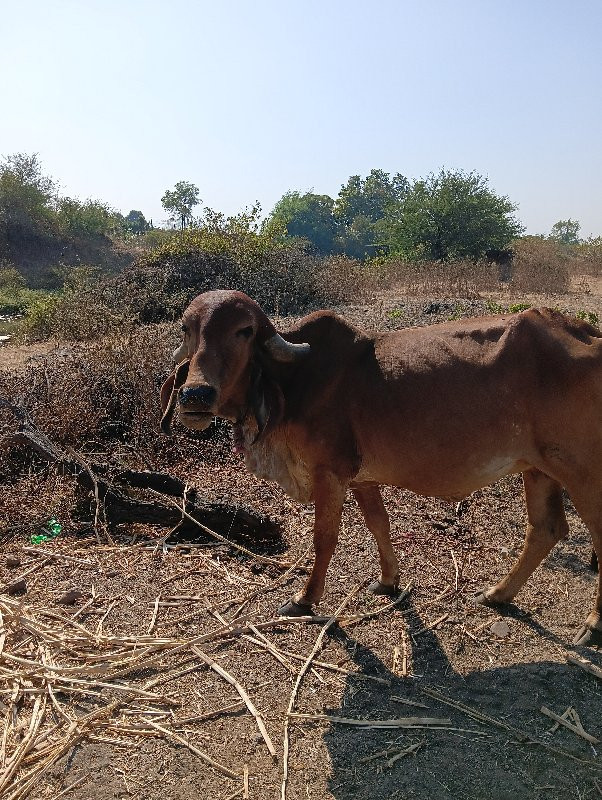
282, 350
180, 354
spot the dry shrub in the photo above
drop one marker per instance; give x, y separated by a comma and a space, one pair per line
284, 279
590, 257
340, 279
540, 265
88, 395
102, 398
444, 278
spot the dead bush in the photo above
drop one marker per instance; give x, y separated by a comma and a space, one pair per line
541, 265
103, 397
465, 279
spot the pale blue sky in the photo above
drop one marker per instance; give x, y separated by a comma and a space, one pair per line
122, 98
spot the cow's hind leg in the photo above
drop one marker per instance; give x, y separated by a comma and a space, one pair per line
372, 507
546, 525
587, 500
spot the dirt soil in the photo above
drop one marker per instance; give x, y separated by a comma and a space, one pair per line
503, 663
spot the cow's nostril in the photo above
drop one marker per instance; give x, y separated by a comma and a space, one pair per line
199, 395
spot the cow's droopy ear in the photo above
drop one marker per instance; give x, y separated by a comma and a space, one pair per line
266, 401
169, 395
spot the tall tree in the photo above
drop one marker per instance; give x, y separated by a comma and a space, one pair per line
360, 207
566, 231
179, 202
135, 222
26, 195
452, 214
371, 197
308, 216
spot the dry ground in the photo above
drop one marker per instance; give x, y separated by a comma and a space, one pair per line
137, 641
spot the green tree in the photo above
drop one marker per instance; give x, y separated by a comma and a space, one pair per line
88, 218
135, 222
26, 196
180, 201
452, 214
566, 231
361, 206
372, 197
306, 216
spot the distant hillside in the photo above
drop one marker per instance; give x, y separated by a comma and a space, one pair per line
41, 230
37, 256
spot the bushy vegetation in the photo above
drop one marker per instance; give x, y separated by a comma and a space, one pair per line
39, 229
77, 269
227, 253
448, 215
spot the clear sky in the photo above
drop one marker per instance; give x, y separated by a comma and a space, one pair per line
250, 99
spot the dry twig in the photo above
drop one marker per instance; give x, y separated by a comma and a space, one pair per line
302, 672
245, 697
571, 727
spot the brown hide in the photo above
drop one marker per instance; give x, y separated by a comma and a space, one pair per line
441, 410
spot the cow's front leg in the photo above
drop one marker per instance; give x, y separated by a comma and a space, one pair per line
372, 507
329, 494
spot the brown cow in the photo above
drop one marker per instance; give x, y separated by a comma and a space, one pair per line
442, 410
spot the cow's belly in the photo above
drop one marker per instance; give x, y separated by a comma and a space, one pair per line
435, 479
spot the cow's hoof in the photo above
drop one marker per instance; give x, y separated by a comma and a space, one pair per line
484, 599
376, 587
294, 609
588, 637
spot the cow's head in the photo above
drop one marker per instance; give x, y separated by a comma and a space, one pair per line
223, 363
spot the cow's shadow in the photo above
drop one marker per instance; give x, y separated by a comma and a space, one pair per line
477, 761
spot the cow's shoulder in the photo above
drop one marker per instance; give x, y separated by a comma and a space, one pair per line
327, 331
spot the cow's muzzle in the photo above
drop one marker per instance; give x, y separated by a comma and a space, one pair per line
197, 398
196, 406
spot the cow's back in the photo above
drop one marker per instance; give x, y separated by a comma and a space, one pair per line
452, 407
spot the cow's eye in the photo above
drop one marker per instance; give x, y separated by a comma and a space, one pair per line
184, 329
245, 333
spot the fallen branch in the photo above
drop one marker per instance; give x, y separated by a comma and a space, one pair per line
106, 483
430, 626
401, 722
262, 559
244, 696
408, 750
476, 714
302, 671
577, 661
574, 728
389, 751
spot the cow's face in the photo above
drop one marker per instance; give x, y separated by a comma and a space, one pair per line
222, 332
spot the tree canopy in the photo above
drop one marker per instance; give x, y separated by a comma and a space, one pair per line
451, 214
307, 216
372, 197
26, 195
135, 222
566, 231
180, 201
